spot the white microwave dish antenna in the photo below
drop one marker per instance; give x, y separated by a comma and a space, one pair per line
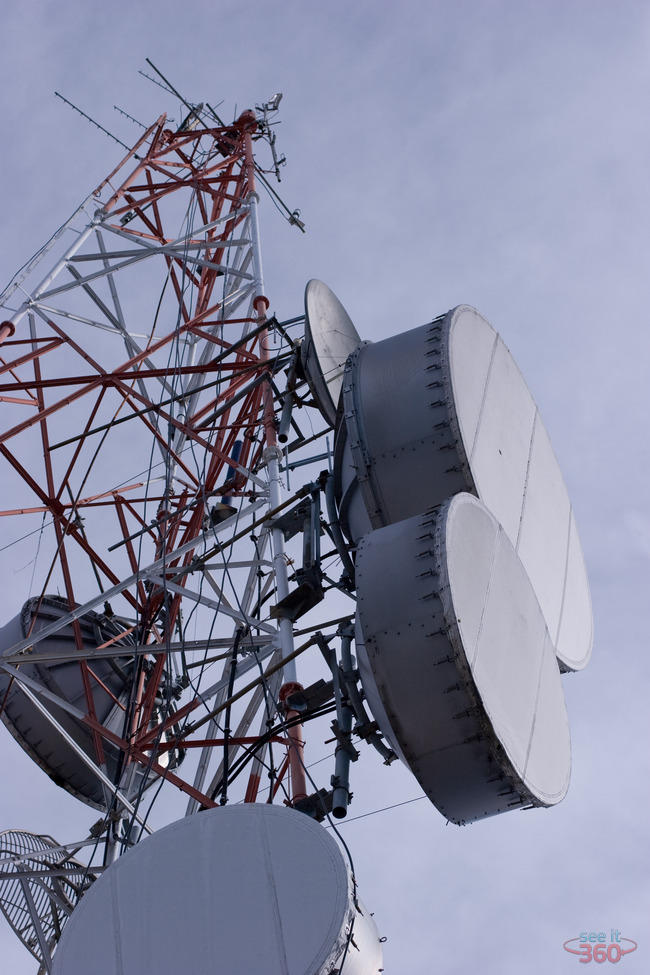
330, 337
462, 419
241, 889
457, 663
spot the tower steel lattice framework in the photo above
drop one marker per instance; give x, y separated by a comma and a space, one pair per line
91, 380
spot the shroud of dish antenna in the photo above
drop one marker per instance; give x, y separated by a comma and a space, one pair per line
197, 547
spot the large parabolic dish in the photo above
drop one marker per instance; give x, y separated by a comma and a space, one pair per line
457, 663
443, 408
243, 889
329, 339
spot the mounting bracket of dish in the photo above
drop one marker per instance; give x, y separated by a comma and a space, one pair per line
303, 517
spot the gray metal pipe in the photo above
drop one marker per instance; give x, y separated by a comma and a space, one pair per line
345, 750
335, 527
288, 400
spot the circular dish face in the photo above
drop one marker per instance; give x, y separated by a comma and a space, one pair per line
442, 409
457, 663
330, 337
242, 889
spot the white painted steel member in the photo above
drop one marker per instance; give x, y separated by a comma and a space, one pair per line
272, 454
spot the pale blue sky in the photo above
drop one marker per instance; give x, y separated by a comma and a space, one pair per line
495, 153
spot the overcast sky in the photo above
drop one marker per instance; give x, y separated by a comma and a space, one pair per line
492, 153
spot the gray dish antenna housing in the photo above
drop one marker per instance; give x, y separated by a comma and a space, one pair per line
457, 664
112, 677
443, 409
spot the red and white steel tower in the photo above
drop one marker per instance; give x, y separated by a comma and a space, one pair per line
147, 346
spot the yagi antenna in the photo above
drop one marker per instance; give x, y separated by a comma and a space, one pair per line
154, 82
130, 117
191, 108
169, 85
95, 123
292, 216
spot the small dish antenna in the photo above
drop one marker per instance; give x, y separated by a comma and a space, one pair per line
40, 886
330, 337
